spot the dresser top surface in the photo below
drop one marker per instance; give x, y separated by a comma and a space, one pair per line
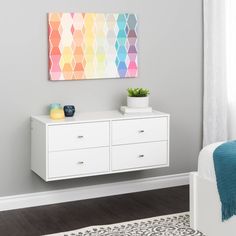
97, 116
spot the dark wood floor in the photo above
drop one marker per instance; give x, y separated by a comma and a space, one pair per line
68, 216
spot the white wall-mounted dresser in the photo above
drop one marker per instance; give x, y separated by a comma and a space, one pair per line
96, 143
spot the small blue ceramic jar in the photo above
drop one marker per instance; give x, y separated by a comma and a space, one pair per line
69, 110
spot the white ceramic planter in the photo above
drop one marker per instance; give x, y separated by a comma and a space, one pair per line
137, 102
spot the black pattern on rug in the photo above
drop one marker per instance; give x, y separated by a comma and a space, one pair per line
174, 225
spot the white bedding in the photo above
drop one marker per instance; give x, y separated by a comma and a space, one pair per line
205, 162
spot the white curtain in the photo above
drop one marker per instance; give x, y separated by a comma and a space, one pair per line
219, 114
231, 65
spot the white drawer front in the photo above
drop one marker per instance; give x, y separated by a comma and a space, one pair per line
139, 130
139, 155
76, 136
78, 162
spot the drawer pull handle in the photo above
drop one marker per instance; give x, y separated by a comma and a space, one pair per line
80, 136
141, 131
80, 163
141, 155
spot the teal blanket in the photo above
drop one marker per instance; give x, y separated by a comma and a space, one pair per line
225, 168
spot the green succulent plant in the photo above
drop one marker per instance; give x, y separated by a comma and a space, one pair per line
138, 92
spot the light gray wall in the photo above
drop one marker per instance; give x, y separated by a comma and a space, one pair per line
170, 64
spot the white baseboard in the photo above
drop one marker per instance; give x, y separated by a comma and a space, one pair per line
94, 191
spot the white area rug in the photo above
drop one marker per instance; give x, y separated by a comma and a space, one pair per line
169, 225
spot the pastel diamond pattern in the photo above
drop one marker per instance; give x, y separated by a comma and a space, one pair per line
92, 46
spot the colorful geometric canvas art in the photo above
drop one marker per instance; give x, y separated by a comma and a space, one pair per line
92, 46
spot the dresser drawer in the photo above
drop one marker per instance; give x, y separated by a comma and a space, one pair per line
78, 162
76, 136
139, 130
139, 155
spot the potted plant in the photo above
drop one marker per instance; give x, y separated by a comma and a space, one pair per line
138, 97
